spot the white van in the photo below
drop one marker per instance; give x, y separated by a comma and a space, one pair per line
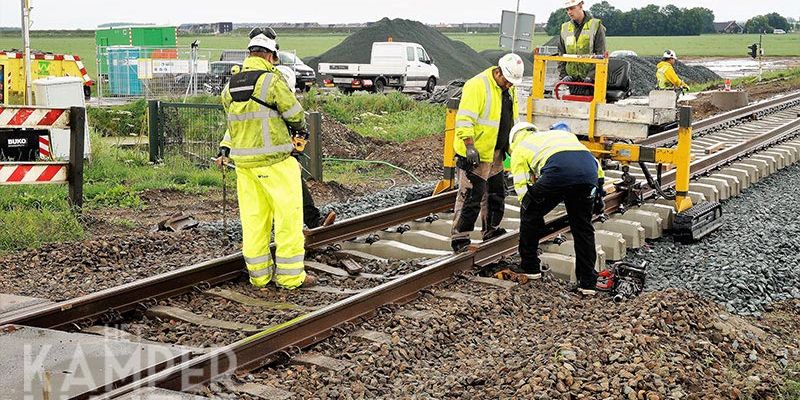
399, 65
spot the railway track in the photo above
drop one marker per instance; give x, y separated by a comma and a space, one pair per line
731, 152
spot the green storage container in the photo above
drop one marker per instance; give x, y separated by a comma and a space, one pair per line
145, 37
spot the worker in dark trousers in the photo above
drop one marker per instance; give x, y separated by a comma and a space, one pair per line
549, 168
487, 111
311, 215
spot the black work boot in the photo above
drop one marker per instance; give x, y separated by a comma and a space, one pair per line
493, 233
460, 245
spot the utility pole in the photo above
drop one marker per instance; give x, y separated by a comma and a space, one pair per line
514, 35
26, 43
760, 56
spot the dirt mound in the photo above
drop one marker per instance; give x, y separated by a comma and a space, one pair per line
643, 74
423, 156
454, 59
340, 142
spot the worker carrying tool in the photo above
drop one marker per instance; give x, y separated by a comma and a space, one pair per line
312, 218
581, 35
487, 111
665, 73
549, 168
261, 110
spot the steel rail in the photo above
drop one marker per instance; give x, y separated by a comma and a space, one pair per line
269, 346
128, 297
670, 136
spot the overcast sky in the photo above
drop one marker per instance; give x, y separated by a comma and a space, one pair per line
87, 14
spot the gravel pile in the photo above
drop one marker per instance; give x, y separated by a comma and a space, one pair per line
749, 263
538, 341
61, 271
643, 74
454, 58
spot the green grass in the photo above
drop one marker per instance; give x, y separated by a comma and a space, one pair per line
791, 75
305, 45
315, 44
685, 46
33, 215
394, 117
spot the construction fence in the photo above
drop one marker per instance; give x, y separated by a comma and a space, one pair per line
182, 133
151, 72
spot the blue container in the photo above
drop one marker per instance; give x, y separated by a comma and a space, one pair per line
123, 71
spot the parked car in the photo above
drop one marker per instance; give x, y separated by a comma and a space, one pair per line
779, 31
392, 64
219, 73
622, 53
306, 78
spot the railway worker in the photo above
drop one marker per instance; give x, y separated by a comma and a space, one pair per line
665, 73
261, 108
487, 111
581, 35
548, 168
312, 217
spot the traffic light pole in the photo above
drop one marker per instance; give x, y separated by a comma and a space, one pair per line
760, 57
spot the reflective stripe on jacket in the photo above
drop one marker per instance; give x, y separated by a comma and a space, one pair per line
530, 154
258, 135
479, 112
581, 45
667, 78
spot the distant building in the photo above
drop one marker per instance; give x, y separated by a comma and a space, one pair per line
728, 27
215, 28
224, 27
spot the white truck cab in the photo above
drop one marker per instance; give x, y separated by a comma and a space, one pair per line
401, 65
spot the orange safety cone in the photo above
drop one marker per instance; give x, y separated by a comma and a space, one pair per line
727, 85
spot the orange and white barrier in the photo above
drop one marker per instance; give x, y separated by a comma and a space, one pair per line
27, 173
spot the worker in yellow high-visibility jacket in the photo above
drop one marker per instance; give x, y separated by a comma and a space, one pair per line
261, 108
549, 168
665, 73
487, 111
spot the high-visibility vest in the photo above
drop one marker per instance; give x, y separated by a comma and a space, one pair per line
259, 104
478, 115
529, 154
666, 76
581, 45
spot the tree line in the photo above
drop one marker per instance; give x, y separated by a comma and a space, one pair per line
767, 23
670, 20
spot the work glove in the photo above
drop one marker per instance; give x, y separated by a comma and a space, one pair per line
223, 157
472, 156
599, 205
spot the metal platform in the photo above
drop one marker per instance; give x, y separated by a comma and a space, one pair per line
74, 363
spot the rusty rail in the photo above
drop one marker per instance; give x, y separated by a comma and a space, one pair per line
128, 297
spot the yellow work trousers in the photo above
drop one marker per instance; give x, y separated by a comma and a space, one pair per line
267, 194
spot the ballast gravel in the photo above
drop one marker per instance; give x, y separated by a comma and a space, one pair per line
752, 261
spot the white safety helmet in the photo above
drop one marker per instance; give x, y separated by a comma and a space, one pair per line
670, 54
263, 41
519, 127
512, 67
288, 75
572, 3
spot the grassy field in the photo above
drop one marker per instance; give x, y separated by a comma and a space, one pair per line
394, 117
312, 45
31, 215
